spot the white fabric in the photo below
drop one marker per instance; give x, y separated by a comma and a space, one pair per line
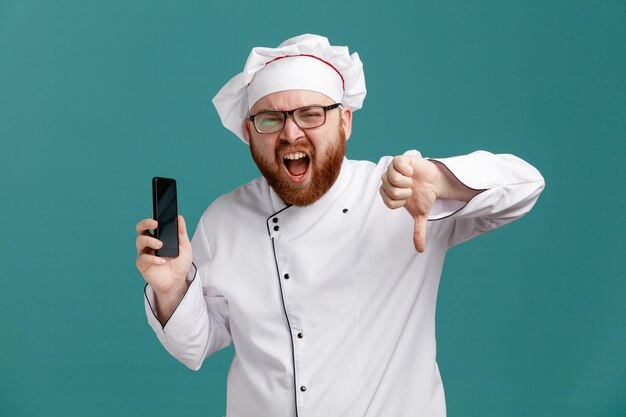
231, 102
361, 296
312, 74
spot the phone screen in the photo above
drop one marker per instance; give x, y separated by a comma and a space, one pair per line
165, 212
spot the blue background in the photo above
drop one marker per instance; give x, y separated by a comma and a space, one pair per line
96, 98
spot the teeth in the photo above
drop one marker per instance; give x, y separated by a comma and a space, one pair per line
295, 155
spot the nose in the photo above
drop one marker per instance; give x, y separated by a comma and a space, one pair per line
291, 132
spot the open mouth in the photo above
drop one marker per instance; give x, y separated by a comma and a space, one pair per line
297, 166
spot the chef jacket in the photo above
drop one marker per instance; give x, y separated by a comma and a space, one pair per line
330, 308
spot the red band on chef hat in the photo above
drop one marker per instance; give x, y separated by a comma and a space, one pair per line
312, 56
306, 62
296, 72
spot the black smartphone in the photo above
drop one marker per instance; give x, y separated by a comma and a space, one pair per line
165, 212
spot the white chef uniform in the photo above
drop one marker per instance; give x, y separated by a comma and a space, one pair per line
330, 308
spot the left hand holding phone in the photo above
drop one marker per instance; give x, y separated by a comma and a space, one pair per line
167, 276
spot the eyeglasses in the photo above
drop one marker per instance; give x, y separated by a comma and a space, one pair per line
304, 117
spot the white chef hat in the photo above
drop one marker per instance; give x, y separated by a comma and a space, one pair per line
306, 62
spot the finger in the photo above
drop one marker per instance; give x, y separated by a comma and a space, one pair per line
145, 261
396, 193
390, 202
144, 242
397, 178
403, 165
419, 233
183, 238
145, 225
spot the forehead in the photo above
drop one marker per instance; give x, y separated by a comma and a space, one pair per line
290, 99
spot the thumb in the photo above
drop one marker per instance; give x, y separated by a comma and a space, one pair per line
419, 233
183, 239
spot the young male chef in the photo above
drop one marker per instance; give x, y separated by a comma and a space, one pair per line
323, 272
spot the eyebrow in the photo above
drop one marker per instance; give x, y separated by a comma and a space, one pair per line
301, 107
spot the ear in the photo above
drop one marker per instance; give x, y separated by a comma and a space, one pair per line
246, 128
346, 121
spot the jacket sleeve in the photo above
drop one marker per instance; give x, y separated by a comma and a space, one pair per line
199, 325
510, 187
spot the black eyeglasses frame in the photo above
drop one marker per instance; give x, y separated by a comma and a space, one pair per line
290, 113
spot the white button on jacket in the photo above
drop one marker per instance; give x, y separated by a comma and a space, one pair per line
330, 308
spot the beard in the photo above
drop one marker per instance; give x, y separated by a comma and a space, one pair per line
323, 171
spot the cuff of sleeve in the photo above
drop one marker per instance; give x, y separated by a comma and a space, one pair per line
185, 308
488, 173
482, 170
469, 170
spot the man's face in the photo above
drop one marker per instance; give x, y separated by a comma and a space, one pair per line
300, 164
